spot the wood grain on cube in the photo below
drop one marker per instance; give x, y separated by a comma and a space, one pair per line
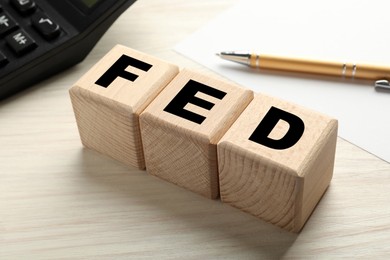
181, 150
280, 186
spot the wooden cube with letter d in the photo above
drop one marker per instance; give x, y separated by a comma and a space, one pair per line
109, 98
276, 161
182, 126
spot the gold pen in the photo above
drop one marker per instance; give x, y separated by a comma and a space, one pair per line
380, 74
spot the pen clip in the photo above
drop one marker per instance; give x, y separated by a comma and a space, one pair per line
382, 84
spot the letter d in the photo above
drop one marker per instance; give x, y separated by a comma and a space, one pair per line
270, 120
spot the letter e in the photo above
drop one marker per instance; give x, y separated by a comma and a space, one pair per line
187, 95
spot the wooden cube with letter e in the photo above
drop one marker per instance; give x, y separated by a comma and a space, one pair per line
182, 126
109, 98
276, 161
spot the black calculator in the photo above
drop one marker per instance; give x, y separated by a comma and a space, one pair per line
39, 38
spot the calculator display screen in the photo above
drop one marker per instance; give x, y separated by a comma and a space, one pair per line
89, 3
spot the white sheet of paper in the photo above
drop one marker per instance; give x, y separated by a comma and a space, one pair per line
346, 31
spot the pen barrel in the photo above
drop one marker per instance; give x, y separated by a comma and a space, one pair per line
364, 71
327, 68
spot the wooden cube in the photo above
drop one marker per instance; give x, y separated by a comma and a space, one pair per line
276, 161
182, 126
109, 98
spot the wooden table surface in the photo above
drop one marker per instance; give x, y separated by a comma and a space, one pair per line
59, 200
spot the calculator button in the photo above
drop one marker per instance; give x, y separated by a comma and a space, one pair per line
7, 23
46, 26
20, 42
3, 59
24, 6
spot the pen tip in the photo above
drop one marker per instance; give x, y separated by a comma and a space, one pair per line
218, 54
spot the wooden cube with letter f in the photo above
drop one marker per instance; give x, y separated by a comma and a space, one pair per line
109, 98
276, 161
181, 128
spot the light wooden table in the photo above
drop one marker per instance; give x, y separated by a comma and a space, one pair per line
59, 200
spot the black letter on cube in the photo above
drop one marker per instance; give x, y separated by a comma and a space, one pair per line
187, 95
118, 69
294, 133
